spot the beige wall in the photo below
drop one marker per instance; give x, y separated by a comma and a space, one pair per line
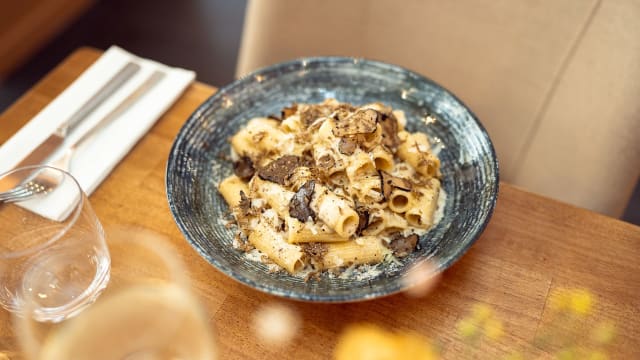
556, 83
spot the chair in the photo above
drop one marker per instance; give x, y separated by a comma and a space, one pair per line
556, 83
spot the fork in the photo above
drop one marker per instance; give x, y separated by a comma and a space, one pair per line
37, 183
22, 191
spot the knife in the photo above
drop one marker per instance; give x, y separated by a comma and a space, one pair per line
46, 148
64, 161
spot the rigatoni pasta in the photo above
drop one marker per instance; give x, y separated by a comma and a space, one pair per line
331, 185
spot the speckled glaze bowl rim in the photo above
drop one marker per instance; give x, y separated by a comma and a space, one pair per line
300, 64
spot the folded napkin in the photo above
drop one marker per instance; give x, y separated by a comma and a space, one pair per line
95, 159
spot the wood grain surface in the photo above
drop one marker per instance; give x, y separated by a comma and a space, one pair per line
532, 246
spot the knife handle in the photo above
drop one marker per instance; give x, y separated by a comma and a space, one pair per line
123, 106
98, 98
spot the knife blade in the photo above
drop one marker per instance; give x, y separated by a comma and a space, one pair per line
53, 142
64, 161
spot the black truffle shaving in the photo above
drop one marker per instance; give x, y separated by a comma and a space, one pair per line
360, 122
389, 182
389, 125
288, 111
300, 204
315, 252
363, 216
401, 245
243, 168
279, 170
244, 204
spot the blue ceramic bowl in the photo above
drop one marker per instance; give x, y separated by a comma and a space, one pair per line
468, 163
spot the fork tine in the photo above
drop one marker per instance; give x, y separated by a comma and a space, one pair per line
12, 197
22, 191
13, 192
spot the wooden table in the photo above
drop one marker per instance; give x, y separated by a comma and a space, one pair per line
532, 246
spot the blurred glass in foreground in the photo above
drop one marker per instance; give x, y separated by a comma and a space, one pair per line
146, 312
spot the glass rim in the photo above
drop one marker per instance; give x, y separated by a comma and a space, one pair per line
74, 217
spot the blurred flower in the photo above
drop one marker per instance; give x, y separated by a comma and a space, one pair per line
514, 356
482, 317
370, 342
481, 312
560, 299
571, 353
566, 336
566, 354
577, 301
467, 328
421, 278
275, 324
581, 301
597, 355
493, 329
603, 333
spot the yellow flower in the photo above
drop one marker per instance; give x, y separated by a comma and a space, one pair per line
581, 301
566, 354
467, 328
603, 333
560, 300
370, 342
493, 329
514, 356
597, 355
412, 346
481, 312
364, 342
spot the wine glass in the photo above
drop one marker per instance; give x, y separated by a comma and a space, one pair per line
146, 312
52, 246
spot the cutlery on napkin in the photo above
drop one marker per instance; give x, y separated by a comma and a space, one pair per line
55, 140
93, 160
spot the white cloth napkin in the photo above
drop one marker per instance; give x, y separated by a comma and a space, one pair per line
95, 159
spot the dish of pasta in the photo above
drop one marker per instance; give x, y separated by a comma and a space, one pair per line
329, 185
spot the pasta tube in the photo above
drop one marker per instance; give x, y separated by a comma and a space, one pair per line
300, 232
266, 239
400, 200
276, 196
384, 220
415, 151
335, 211
359, 165
382, 159
291, 124
230, 189
365, 250
260, 135
421, 212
